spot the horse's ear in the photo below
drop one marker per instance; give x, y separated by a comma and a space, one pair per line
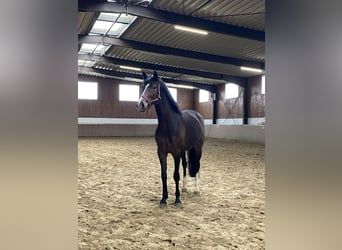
144, 75
155, 75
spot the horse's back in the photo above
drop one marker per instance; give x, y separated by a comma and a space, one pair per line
194, 126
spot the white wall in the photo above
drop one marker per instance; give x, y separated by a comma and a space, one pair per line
250, 133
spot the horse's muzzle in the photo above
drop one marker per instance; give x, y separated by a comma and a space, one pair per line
142, 105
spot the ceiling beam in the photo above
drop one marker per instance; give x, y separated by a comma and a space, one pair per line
87, 70
172, 18
168, 50
210, 75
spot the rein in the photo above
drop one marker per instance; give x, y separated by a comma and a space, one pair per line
149, 101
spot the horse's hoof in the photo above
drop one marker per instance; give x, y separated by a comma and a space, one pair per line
178, 204
184, 190
197, 193
162, 204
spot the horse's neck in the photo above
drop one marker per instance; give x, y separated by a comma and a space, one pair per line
166, 115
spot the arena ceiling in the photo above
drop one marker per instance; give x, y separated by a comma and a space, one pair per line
114, 36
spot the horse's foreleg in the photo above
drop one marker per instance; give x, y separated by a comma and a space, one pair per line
176, 178
184, 189
163, 168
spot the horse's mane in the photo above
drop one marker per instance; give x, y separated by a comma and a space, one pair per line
166, 94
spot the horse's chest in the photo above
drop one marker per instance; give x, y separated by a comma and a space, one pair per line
170, 144
170, 139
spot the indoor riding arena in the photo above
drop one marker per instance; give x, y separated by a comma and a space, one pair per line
211, 57
120, 189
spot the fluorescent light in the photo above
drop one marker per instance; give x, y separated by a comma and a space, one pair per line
131, 79
189, 29
251, 69
131, 68
173, 85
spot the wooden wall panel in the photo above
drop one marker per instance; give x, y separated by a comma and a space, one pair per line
229, 108
109, 106
185, 98
257, 100
204, 108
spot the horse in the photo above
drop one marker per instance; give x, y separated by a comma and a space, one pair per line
177, 132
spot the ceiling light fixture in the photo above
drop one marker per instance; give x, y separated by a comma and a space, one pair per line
173, 85
251, 69
189, 29
131, 79
131, 68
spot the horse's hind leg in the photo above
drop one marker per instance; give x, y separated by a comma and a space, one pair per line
198, 158
176, 177
184, 189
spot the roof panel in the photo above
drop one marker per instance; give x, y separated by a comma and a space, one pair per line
243, 13
85, 21
175, 61
159, 33
138, 75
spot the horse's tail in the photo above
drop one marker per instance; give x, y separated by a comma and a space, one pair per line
194, 161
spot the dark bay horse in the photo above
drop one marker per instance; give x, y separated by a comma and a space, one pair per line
178, 132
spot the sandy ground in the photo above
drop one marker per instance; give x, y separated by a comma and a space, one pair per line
120, 189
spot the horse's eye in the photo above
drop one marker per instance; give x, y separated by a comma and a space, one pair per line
154, 87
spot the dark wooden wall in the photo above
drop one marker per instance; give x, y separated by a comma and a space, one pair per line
229, 108
185, 98
109, 106
257, 100
205, 108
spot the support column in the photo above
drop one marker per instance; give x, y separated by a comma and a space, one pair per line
214, 97
245, 103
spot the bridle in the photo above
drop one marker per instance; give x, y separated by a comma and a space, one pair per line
149, 101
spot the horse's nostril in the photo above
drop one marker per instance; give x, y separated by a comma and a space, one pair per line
140, 106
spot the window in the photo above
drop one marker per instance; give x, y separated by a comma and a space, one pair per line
96, 49
173, 92
263, 84
143, 3
101, 27
231, 90
87, 90
203, 96
128, 92
85, 63
112, 24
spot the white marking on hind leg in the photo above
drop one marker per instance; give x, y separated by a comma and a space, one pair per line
197, 183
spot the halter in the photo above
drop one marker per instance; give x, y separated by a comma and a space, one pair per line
149, 101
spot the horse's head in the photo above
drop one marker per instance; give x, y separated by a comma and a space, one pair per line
151, 92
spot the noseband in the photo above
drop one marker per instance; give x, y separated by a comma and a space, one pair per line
149, 101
